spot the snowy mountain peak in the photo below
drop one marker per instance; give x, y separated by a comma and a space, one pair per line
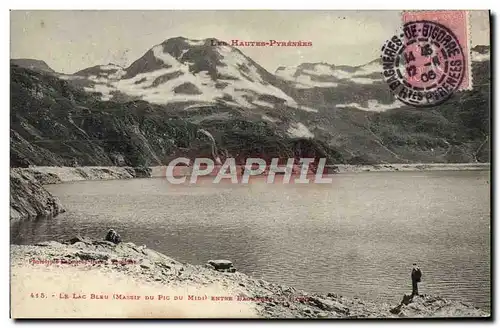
109, 71
324, 75
187, 70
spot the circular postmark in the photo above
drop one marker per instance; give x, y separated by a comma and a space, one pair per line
424, 65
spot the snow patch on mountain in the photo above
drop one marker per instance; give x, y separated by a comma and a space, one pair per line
71, 77
364, 80
110, 67
118, 74
194, 42
183, 52
110, 71
286, 72
269, 119
165, 57
299, 130
305, 82
98, 79
246, 77
142, 85
104, 89
373, 106
262, 103
307, 109
320, 69
480, 57
321, 75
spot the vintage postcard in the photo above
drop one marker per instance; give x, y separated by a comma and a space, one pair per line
250, 164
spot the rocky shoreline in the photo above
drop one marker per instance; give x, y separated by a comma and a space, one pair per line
345, 168
30, 200
231, 293
159, 171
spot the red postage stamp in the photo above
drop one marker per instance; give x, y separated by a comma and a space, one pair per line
457, 21
430, 59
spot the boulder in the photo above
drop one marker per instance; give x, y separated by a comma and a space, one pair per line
433, 306
221, 265
78, 239
113, 237
29, 199
145, 264
45, 178
48, 244
407, 299
328, 305
142, 172
91, 256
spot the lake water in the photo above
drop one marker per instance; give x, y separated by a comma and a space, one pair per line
356, 237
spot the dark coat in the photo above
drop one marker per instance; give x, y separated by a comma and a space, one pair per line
416, 275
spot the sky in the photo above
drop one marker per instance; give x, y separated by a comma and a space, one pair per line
69, 41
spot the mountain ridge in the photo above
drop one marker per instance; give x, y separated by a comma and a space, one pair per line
351, 122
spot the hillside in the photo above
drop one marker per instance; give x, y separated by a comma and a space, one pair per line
153, 111
54, 123
34, 64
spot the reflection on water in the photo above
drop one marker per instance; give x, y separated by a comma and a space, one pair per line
356, 237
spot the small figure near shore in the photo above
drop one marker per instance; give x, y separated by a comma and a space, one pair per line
416, 277
113, 237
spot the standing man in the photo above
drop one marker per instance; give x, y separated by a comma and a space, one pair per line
416, 276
